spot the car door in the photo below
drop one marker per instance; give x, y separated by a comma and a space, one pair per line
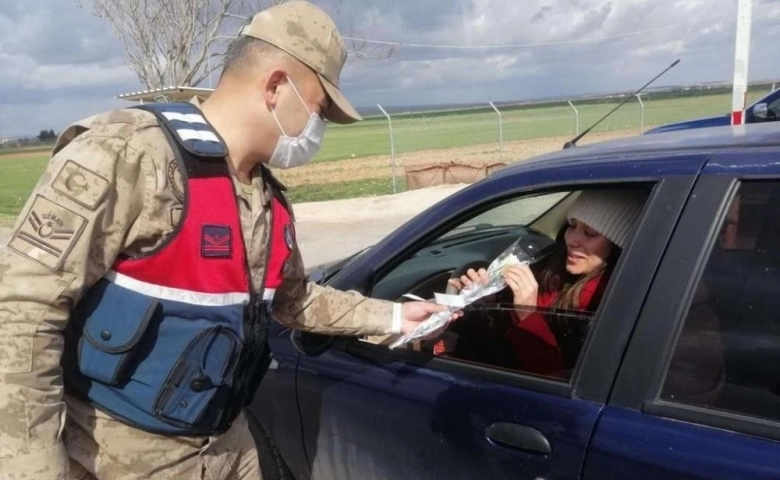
698, 395
371, 412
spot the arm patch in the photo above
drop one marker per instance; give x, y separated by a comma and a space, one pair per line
81, 185
47, 233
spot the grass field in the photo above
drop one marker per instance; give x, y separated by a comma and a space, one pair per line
348, 189
19, 170
460, 128
18, 176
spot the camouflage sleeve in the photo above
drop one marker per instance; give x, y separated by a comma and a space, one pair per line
89, 202
307, 306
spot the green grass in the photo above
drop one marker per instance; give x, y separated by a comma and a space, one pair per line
413, 132
339, 190
480, 126
43, 149
18, 176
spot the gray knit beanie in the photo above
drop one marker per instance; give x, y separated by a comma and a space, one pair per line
612, 213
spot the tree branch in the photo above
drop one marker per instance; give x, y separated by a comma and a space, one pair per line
172, 42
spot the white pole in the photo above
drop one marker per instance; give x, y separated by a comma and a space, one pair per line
392, 142
642, 115
741, 58
500, 133
773, 86
576, 117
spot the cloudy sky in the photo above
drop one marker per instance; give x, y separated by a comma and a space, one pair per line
59, 63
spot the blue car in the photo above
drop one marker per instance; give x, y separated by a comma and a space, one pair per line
766, 109
676, 375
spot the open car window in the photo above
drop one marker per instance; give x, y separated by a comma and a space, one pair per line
522, 211
477, 240
545, 341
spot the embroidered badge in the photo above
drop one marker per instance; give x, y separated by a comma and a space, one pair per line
175, 180
48, 233
216, 241
81, 185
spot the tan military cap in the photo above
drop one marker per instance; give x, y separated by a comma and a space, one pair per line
308, 34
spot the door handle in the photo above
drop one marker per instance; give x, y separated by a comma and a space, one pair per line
519, 437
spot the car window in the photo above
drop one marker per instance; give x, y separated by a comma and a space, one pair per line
774, 109
727, 355
545, 343
522, 211
500, 331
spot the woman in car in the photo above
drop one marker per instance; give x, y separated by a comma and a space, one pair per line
600, 224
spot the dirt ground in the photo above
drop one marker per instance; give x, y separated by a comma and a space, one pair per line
23, 155
380, 166
330, 230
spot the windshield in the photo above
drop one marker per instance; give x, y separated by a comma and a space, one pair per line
521, 211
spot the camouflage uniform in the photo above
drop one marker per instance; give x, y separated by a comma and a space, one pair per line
113, 186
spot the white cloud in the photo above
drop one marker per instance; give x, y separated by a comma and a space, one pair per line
52, 77
57, 56
23, 72
674, 47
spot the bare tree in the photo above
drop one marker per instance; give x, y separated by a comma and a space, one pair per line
179, 42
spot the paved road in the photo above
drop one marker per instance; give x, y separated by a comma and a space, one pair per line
329, 231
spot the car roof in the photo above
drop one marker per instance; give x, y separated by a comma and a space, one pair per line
667, 143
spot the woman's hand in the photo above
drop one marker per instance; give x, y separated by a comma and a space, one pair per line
521, 280
472, 276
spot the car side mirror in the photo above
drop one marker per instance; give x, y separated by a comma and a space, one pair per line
311, 344
761, 111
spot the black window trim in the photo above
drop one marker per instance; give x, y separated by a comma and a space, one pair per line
628, 289
720, 419
650, 347
719, 191
595, 373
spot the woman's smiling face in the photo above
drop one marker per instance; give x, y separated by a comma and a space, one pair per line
587, 250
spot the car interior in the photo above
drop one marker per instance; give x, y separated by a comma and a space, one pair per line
428, 270
741, 281
475, 245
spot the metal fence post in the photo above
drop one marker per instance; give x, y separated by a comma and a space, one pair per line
500, 133
576, 117
392, 142
642, 114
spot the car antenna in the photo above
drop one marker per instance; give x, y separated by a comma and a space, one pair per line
573, 142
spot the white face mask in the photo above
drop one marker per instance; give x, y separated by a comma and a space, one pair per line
293, 152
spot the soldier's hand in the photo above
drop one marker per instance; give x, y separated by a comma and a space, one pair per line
414, 313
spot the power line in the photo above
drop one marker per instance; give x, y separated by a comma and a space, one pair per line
521, 45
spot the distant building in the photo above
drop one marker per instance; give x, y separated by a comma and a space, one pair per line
167, 94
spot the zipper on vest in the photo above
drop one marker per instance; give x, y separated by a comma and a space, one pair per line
270, 247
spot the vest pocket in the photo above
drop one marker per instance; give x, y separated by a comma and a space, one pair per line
204, 368
112, 329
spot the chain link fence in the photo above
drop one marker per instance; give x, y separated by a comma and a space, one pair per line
487, 129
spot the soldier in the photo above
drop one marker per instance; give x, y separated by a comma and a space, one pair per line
144, 268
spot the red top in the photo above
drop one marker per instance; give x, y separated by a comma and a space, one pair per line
532, 340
